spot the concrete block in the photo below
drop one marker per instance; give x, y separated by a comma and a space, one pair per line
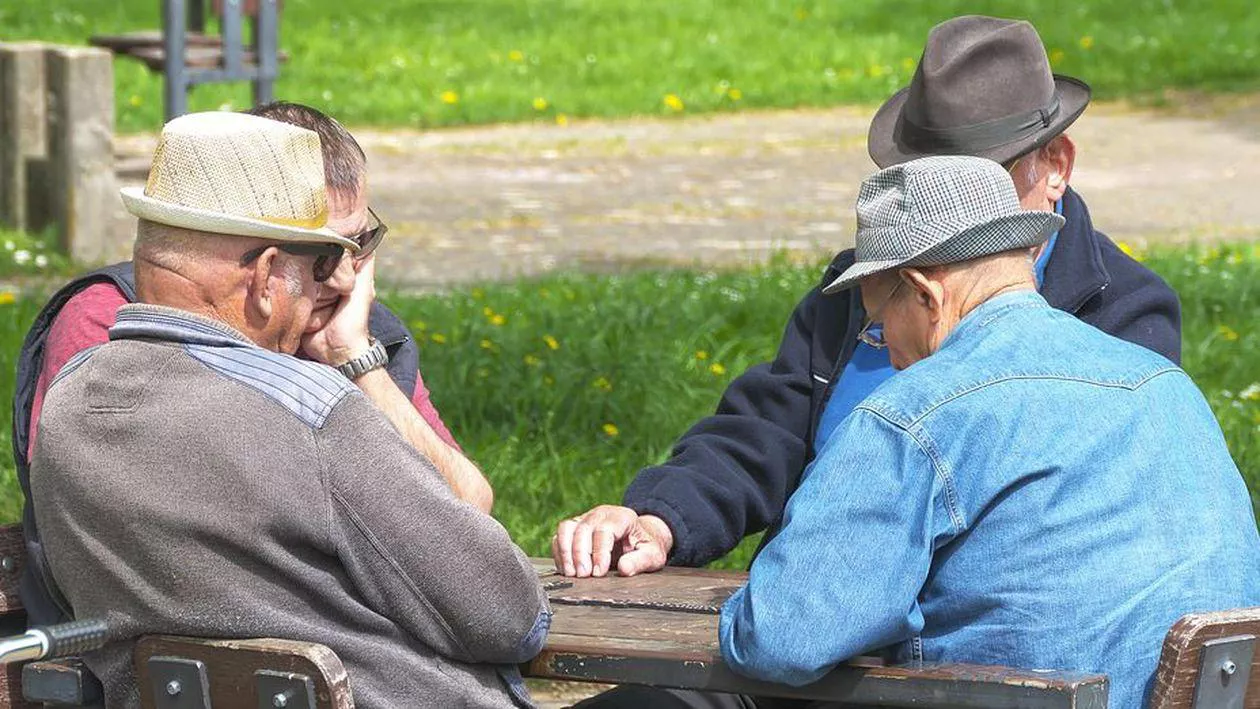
82, 189
23, 137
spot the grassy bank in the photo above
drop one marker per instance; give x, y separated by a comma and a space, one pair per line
562, 388
434, 62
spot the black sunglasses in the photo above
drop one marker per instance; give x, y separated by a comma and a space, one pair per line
370, 239
327, 256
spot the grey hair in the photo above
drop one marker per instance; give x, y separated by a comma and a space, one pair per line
344, 161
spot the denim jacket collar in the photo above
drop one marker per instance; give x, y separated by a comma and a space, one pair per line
993, 309
159, 322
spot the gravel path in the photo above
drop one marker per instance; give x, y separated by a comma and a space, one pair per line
498, 202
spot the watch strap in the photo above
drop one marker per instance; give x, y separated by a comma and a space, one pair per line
374, 358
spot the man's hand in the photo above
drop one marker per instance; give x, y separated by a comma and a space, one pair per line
588, 545
345, 335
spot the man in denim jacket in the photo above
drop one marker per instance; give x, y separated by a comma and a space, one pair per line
1028, 491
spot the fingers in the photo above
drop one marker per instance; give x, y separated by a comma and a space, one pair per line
562, 547
645, 558
584, 546
602, 543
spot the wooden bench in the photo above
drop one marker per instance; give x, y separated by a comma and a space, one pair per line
653, 629
187, 56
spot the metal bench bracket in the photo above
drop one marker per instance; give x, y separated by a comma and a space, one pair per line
1223, 672
179, 683
284, 690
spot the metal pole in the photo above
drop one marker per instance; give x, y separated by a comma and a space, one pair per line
174, 17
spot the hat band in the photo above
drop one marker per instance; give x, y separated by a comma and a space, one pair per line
316, 222
980, 136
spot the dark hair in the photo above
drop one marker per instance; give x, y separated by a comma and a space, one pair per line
344, 161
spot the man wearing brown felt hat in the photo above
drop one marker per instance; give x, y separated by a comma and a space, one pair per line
983, 88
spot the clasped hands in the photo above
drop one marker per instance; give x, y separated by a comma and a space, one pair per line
590, 544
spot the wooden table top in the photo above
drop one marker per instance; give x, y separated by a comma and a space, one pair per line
662, 629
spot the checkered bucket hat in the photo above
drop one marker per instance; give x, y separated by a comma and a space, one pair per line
938, 210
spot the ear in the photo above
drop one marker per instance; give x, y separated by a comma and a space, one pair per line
259, 301
1059, 155
926, 292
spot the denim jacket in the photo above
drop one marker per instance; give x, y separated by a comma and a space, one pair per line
1036, 494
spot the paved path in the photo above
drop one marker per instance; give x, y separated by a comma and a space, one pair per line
498, 202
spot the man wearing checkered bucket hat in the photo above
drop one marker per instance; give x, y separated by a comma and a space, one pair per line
1011, 497
280, 502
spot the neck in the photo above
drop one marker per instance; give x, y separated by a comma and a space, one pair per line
164, 286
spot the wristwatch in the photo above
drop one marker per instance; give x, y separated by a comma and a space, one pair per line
374, 358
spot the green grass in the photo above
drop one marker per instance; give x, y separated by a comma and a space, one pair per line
444, 62
563, 388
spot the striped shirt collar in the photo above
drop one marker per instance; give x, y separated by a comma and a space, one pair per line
159, 322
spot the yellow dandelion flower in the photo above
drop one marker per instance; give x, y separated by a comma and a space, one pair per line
611, 430
531, 360
135, 100
562, 120
487, 311
602, 384
735, 94
540, 104
717, 369
552, 343
907, 64
1087, 42
450, 98
1124, 246
702, 355
487, 345
673, 103
438, 338
7, 298
497, 320
1227, 332
478, 294
516, 55
1056, 56
419, 325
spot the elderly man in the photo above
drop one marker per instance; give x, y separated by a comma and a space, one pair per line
80, 314
279, 501
983, 87
1029, 491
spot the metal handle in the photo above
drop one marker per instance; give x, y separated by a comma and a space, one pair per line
61, 640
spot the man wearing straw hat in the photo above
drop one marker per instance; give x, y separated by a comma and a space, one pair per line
280, 501
79, 315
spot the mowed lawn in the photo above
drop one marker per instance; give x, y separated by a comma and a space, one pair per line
562, 388
439, 62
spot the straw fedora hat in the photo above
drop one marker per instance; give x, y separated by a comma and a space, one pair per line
238, 175
983, 87
939, 210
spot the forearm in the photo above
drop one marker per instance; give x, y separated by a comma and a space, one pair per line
460, 473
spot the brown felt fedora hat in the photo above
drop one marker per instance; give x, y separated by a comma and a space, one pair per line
983, 87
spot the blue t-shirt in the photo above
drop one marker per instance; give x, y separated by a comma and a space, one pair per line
870, 366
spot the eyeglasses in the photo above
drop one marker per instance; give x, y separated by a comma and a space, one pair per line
872, 333
327, 256
370, 239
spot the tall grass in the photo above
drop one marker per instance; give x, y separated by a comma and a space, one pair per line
562, 388
437, 62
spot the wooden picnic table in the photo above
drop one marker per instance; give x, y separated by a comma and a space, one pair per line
662, 629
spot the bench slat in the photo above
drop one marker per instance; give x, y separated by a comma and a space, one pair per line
1178, 672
